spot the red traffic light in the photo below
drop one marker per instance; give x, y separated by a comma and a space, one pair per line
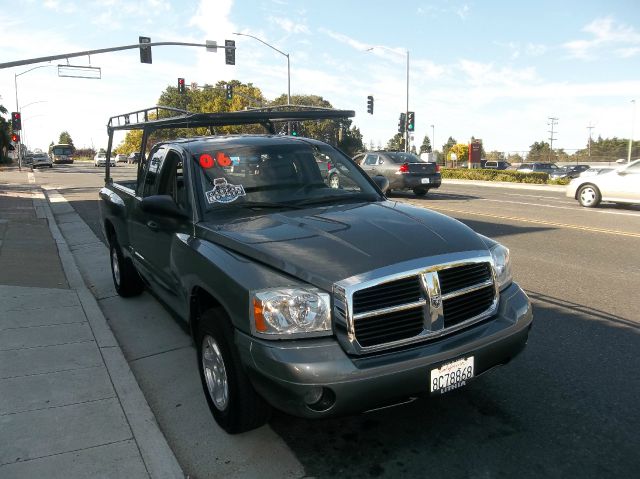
15, 137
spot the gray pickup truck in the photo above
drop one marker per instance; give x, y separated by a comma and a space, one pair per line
313, 296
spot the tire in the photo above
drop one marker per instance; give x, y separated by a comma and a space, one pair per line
334, 181
126, 279
420, 191
233, 401
589, 196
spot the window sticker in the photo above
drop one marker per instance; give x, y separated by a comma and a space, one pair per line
224, 192
206, 161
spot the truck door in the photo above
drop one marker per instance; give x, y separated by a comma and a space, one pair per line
154, 237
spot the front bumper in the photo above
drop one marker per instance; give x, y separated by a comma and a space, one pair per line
288, 372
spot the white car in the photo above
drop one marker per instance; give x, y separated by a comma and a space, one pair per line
101, 159
121, 158
621, 185
41, 160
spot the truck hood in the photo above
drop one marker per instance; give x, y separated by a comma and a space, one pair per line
324, 245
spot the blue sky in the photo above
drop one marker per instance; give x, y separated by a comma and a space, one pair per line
492, 70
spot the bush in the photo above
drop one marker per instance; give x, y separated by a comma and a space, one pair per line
498, 175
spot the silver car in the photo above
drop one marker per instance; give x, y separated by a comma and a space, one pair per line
41, 160
621, 185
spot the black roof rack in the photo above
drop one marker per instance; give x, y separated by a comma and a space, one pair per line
162, 117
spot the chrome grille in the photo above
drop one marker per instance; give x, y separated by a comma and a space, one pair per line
426, 303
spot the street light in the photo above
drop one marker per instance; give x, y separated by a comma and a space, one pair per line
633, 120
406, 133
281, 53
15, 83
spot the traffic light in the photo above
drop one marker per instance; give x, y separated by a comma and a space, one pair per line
295, 127
230, 52
16, 121
181, 85
370, 104
411, 121
145, 52
229, 91
402, 123
15, 137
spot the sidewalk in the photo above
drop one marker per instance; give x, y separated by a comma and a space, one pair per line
69, 404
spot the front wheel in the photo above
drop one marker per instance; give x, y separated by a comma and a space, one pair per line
126, 279
589, 196
420, 191
233, 401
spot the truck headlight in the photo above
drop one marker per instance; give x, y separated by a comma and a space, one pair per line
502, 265
286, 312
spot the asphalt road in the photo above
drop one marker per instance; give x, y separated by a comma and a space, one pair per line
566, 407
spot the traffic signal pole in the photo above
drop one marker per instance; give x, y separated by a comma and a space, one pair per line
406, 130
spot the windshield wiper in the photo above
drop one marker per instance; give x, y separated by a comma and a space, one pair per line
264, 204
338, 199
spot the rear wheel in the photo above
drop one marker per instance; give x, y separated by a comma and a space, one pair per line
233, 401
589, 196
126, 279
420, 191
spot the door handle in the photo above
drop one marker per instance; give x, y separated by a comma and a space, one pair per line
152, 225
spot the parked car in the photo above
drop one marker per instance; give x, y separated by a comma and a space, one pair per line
538, 167
121, 158
101, 159
41, 160
404, 171
133, 157
315, 300
496, 165
596, 170
621, 185
573, 171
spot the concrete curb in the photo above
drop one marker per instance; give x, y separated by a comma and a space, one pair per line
506, 184
156, 453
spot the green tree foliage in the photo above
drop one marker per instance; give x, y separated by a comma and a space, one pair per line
540, 151
609, 149
65, 137
494, 156
396, 143
515, 158
426, 145
5, 136
461, 150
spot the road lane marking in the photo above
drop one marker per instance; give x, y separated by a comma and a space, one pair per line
31, 176
572, 208
541, 222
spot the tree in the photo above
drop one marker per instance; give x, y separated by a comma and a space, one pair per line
447, 146
540, 151
495, 156
515, 158
426, 145
65, 137
461, 151
351, 142
396, 143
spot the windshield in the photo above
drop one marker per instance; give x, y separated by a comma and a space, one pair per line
272, 175
61, 150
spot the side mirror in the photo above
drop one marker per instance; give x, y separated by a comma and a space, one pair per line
382, 183
162, 205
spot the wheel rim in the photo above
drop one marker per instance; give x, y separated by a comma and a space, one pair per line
115, 266
215, 373
587, 195
334, 182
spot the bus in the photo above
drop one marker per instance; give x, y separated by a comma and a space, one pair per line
61, 153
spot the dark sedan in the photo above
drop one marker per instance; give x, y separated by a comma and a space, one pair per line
404, 171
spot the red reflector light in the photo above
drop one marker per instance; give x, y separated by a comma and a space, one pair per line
404, 168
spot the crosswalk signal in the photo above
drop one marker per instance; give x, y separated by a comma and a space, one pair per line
181, 87
402, 123
411, 121
16, 121
370, 104
229, 91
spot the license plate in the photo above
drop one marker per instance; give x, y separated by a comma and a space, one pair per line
452, 375
424, 180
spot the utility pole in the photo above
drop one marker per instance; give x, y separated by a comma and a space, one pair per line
633, 120
588, 128
554, 122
